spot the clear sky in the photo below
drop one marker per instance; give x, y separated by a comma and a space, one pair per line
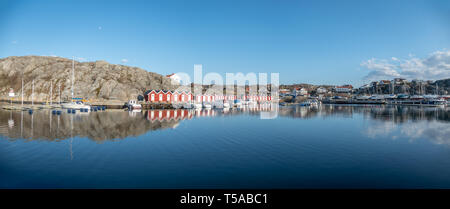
318, 42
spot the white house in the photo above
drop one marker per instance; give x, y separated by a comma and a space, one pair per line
321, 90
284, 92
300, 92
174, 77
343, 89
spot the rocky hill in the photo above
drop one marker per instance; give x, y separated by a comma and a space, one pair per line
96, 81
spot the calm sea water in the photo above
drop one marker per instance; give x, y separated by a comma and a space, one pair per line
325, 147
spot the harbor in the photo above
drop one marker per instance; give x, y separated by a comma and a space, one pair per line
398, 91
151, 148
426, 100
224, 104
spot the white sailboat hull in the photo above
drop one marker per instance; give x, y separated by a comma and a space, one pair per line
75, 106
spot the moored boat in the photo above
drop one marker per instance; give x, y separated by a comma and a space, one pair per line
76, 105
133, 105
207, 105
187, 106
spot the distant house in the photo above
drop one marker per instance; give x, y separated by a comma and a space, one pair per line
321, 90
174, 77
344, 89
300, 92
399, 81
384, 82
284, 92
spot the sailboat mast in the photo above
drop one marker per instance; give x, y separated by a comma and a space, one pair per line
437, 89
73, 75
32, 93
22, 90
59, 92
51, 92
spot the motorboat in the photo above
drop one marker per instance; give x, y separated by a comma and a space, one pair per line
310, 102
403, 96
207, 105
133, 105
435, 101
188, 106
417, 97
197, 106
376, 97
179, 106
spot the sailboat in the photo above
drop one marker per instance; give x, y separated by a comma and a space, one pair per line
77, 104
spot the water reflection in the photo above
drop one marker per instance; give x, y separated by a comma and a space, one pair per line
43, 125
395, 114
437, 132
385, 121
100, 126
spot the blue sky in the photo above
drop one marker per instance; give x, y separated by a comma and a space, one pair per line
318, 42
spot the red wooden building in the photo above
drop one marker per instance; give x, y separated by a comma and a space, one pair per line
162, 96
167, 96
